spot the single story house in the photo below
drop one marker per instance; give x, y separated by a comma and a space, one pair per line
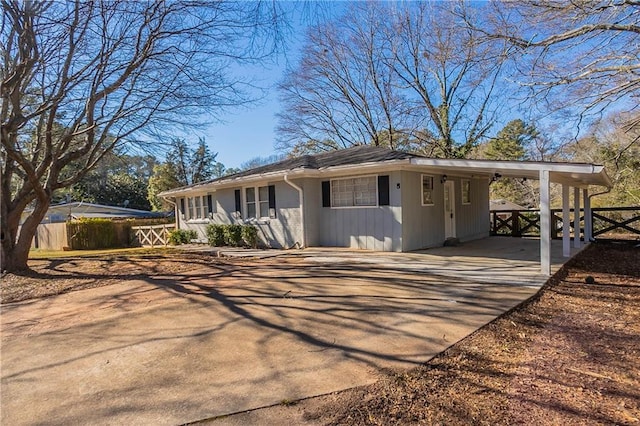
78, 209
366, 197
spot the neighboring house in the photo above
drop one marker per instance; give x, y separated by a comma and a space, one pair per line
78, 209
364, 197
51, 234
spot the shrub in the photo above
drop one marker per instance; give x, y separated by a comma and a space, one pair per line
250, 235
182, 236
215, 235
233, 235
92, 233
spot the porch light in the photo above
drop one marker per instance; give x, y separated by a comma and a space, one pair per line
444, 179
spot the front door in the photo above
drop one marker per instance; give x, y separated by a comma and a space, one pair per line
449, 210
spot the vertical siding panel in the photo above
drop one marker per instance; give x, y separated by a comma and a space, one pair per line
388, 230
473, 218
371, 227
379, 230
353, 231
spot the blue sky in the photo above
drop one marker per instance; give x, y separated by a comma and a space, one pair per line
246, 134
249, 132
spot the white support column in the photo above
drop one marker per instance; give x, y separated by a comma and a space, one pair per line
566, 224
545, 224
576, 217
588, 224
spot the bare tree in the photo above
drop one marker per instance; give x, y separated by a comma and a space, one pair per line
81, 78
451, 73
610, 141
342, 93
580, 55
409, 75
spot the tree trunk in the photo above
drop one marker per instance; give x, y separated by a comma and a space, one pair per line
16, 246
15, 258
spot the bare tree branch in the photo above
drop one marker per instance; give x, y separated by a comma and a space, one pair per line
80, 79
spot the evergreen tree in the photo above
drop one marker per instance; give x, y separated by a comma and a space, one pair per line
512, 143
183, 166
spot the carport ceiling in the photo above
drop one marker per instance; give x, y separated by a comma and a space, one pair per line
573, 174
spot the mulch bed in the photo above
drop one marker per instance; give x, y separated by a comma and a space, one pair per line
569, 356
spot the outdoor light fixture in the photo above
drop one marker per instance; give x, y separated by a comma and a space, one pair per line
444, 179
398, 185
496, 176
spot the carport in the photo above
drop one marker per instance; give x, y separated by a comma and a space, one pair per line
580, 177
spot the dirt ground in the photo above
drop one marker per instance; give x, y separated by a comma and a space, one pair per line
568, 356
48, 277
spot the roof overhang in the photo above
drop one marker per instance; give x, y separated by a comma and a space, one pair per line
327, 172
573, 174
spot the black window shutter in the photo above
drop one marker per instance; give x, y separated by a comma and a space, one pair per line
238, 201
182, 206
210, 203
383, 190
272, 201
326, 193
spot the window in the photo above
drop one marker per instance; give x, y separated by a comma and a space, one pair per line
262, 206
197, 201
466, 191
427, 190
263, 199
251, 202
190, 214
211, 206
198, 208
354, 192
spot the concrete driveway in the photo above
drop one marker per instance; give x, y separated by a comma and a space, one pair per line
228, 338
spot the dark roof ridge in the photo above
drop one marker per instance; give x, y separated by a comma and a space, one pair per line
327, 159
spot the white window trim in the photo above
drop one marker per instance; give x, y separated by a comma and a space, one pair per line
354, 207
422, 176
204, 209
256, 189
462, 182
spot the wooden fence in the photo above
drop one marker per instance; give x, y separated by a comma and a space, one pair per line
98, 235
50, 236
609, 223
152, 235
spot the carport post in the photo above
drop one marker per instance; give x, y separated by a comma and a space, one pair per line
576, 217
545, 224
566, 225
588, 225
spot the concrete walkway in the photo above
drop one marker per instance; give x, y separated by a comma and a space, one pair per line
234, 337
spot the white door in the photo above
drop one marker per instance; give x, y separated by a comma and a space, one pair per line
449, 210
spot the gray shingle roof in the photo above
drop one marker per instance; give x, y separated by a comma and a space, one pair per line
355, 155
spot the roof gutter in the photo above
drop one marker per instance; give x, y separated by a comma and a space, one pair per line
176, 213
301, 195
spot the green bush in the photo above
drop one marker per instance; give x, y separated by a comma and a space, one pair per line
250, 235
215, 235
233, 235
182, 236
93, 233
